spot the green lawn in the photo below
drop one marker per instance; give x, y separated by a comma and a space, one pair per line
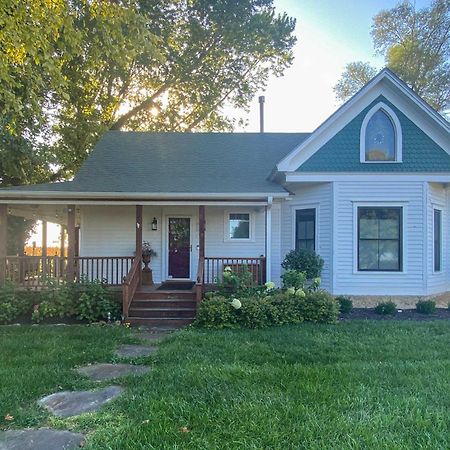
355, 385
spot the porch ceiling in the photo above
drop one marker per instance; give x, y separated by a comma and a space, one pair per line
48, 212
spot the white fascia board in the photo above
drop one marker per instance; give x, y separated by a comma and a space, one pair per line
137, 196
388, 85
306, 177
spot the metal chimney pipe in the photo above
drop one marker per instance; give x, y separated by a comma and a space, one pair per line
261, 113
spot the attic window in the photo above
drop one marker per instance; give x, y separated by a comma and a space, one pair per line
381, 136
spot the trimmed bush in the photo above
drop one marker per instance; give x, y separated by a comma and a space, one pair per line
96, 302
345, 304
306, 261
426, 306
319, 307
267, 310
386, 308
216, 312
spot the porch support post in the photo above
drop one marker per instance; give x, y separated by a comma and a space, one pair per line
139, 237
269, 240
71, 243
3, 239
201, 231
44, 239
62, 239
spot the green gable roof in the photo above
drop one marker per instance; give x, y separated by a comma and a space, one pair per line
342, 152
145, 162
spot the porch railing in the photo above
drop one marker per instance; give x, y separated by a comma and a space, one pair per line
130, 285
36, 271
214, 267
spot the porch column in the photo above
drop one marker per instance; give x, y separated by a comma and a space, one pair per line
3, 239
269, 241
139, 236
44, 239
62, 239
201, 231
71, 243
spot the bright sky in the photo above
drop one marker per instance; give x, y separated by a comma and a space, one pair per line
330, 34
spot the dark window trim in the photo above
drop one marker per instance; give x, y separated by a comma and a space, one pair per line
400, 239
314, 208
437, 262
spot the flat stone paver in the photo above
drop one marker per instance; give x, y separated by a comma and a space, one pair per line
74, 403
134, 351
40, 439
106, 371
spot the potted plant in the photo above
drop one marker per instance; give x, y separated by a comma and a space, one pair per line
147, 254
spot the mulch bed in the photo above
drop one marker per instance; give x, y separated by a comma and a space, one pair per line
405, 314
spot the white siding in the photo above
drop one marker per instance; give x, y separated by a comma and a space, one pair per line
320, 196
346, 278
110, 231
436, 281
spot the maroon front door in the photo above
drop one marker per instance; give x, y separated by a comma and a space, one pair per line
179, 247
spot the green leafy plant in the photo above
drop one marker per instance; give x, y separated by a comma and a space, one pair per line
96, 301
293, 279
216, 312
345, 304
319, 307
237, 283
386, 308
306, 261
426, 306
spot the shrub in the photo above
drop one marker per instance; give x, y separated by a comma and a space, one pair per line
319, 307
96, 301
293, 279
55, 300
216, 312
236, 283
426, 306
8, 302
386, 308
345, 304
305, 261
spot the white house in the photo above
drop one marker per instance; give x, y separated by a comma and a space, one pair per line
368, 190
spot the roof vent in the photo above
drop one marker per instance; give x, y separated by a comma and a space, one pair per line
261, 113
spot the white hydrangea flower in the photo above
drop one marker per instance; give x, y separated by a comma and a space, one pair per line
227, 269
236, 303
300, 293
317, 280
270, 285
291, 291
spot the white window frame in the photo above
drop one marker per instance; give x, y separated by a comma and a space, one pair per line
404, 246
295, 208
441, 262
397, 131
226, 226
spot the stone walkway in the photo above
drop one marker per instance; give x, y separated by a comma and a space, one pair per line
74, 403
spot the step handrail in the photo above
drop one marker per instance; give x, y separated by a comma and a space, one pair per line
130, 285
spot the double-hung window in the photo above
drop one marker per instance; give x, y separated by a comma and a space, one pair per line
305, 229
380, 239
239, 226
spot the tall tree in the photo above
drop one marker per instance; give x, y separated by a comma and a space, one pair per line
415, 45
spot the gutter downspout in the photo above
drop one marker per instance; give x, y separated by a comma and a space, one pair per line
268, 246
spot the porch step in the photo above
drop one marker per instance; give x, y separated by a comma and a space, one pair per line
164, 321
164, 303
161, 313
159, 295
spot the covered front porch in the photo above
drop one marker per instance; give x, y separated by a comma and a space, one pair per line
193, 242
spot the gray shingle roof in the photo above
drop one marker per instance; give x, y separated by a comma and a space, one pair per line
144, 162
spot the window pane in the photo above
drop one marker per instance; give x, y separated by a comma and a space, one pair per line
437, 239
389, 255
379, 243
380, 138
305, 228
239, 226
368, 255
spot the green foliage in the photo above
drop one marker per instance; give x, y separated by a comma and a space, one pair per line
426, 306
13, 303
237, 283
306, 261
96, 302
293, 279
215, 312
345, 304
386, 308
319, 307
259, 311
415, 45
